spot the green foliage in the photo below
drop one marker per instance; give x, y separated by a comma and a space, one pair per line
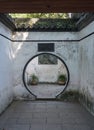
50, 21
71, 95
34, 77
62, 77
39, 15
33, 80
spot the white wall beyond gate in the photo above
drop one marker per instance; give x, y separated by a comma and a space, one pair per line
46, 73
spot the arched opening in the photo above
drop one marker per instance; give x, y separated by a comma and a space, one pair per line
46, 75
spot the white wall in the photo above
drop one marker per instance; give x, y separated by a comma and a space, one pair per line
23, 51
46, 36
86, 66
45, 73
6, 71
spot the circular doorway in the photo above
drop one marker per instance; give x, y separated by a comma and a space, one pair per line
46, 76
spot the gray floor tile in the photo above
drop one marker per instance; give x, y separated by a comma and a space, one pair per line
46, 115
53, 127
17, 127
75, 127
37, 127
24, 121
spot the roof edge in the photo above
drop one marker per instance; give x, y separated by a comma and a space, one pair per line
85, 20
81, 23
7, 21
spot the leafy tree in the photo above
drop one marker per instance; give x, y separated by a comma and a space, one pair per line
40, 15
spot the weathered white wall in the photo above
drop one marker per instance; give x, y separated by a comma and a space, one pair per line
23, 51
46, 36
45, 72
6, 71
86, 66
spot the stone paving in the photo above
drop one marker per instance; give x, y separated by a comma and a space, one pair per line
46, 115
46, 90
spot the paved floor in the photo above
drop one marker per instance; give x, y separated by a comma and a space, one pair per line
46, 115
46, 90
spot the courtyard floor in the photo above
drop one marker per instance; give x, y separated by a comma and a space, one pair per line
46, 90
46, 115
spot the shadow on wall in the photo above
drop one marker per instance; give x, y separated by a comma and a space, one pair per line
18, 45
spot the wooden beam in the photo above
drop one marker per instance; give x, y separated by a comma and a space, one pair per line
46, 6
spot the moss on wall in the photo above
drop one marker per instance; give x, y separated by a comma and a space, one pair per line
77, 96
87, 102
69, 96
